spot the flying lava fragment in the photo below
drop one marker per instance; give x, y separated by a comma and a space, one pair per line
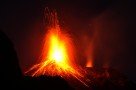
58, 53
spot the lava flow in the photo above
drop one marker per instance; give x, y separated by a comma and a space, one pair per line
58, 53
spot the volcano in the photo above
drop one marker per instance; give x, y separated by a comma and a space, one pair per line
57, 59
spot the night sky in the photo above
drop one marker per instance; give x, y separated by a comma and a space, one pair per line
108, 24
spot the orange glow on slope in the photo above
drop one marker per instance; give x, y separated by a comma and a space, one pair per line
89, 63
58, 54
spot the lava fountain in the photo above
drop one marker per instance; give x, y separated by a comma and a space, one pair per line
57, 57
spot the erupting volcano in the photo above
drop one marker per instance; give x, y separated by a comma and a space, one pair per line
58, 53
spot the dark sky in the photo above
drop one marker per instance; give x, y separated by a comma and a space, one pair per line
109, 24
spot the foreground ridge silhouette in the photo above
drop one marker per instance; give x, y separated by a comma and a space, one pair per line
10, 74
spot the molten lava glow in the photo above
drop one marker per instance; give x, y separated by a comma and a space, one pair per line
89, 63
57, 55
57, 50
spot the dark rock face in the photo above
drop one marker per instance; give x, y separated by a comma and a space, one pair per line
10, 73
45, 82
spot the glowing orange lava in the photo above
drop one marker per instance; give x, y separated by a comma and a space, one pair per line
56, 59
89, 63
58, 53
